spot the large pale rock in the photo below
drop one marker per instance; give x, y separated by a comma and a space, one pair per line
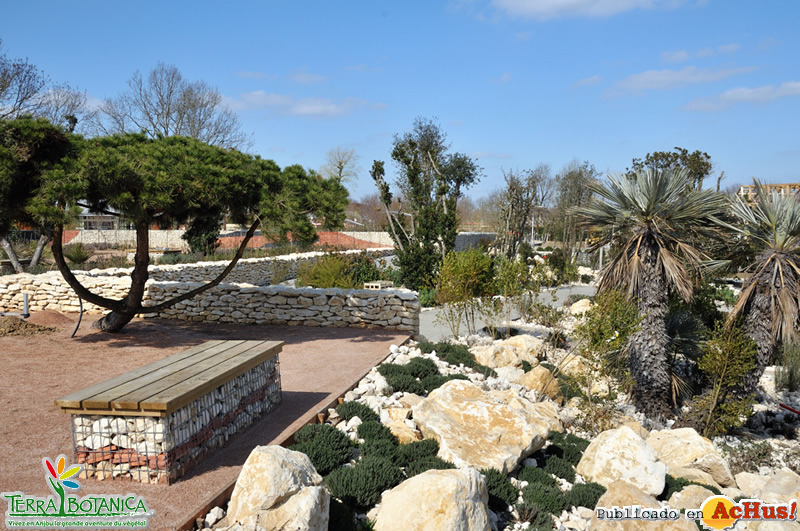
685, 448
691, 497
621, 493
542, 381
696, 475
783, 486
620, 454
581, 307
405, 434
751, 484
527, 347
479, 430
279, 489
436, 499
511, 352
575, 365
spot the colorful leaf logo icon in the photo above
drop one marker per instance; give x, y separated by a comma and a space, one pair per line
60, 475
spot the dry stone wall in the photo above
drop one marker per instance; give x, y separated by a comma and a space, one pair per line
248, 300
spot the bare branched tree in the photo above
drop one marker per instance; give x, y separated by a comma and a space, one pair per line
21, 85
165, 104
516, 205
341, 163
68, 107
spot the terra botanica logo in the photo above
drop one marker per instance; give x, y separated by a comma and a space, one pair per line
65, 510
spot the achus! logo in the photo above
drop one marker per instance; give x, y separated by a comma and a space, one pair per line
64, 510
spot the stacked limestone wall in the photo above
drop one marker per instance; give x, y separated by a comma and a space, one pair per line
248, 300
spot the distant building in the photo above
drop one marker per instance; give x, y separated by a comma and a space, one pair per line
749, 190
89, 220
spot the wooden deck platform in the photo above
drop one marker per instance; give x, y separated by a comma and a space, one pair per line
159, 388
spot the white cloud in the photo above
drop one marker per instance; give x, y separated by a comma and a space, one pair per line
290, 105
677, 56
505, 78
728, 48
303, 76
489, 155
246, 74
763, 94
591, 80
671, 79
547, 9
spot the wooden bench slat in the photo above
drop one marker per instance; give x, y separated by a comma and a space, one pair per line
103, 399
150, 387
73, 400
191, 389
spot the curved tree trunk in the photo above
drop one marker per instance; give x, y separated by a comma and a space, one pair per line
758, 327
132, 302
647, 348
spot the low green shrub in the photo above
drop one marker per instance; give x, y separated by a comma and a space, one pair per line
585, 495
362, 268
383, 448
560, 467
329, 271
539, 519
427, 297
456, 355
526, 366
360, 486
569, 447
535, 475
587, 279
350, 409
418, 450
502, 492
77, 253
405, 383
435, 381
427, 463
326, 446
373, 430
548, 498
545, 315
421, 367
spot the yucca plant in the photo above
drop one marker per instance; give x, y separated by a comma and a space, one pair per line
654, 218
769, 244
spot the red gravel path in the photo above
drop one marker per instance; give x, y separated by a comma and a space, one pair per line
317, 365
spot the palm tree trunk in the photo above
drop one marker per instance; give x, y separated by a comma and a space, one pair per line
647, 348
757, 326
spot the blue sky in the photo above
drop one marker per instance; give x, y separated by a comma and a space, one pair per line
514, 83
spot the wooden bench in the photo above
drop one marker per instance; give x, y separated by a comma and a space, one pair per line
155, 422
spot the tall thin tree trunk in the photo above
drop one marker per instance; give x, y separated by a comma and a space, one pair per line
37, 254
648, 346
12, 255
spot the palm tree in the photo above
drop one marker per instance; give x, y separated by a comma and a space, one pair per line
769, 227
653, 217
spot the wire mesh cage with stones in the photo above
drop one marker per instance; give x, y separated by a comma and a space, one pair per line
162, 449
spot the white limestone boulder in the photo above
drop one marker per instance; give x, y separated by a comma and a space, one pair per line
620, 454
685, 448
279, 489
436, 499
476, 429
